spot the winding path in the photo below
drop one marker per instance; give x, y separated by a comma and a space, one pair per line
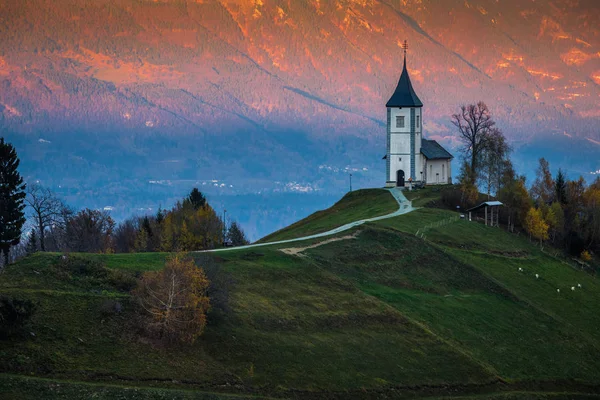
404, 207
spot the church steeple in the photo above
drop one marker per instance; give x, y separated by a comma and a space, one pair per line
404, 95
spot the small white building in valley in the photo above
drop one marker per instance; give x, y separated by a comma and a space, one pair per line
410, 157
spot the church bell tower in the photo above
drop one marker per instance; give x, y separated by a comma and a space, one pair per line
404, 133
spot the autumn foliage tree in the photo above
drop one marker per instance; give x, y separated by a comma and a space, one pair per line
535, 225
174, 300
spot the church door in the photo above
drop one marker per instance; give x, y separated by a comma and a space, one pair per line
400, 178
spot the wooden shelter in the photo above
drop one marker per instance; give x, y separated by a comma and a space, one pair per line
489, 207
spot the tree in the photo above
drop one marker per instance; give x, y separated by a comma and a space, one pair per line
90, 231
516, 199
494, 160
543, 189
468, 189
196, 199
174, 300
236, 235
12, 197
560, 187
591, 198
535, 225
555, 219
475, 124
46, 209
32, 245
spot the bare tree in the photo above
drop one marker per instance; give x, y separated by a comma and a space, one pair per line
46, 209
494, 160
90, 231
543, 190
475, 124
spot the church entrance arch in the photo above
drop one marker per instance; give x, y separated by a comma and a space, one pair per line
400, 178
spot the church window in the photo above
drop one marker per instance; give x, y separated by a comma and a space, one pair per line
399, 121
443, 172
418, 121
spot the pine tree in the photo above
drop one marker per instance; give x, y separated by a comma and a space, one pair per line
196, 199
560, 187
12, 198
32, 246
160, 216
236, 235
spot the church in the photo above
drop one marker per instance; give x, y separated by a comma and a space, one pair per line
410, 158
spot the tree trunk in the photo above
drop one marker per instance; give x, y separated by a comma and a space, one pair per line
6, 251
41, 229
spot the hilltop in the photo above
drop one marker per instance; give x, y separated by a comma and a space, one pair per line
375, 312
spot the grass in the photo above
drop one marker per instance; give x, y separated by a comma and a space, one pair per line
386, 314
356, 205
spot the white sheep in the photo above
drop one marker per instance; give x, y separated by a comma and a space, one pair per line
520, 269
572, 287
537, 276
579, 285
557, 290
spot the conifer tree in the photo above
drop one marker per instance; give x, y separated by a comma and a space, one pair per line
196, 199
32, 242
560, 187
236, 235
12, 198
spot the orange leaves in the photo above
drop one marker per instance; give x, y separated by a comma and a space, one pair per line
174, 300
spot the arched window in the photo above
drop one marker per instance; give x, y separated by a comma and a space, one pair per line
443, 172
431, 172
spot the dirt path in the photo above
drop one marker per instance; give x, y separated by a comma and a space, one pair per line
404, 207
297, 251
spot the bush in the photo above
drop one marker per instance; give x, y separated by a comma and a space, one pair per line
174, 301
586, 256
14, 315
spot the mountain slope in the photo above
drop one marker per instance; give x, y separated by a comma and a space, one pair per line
377, 313
114, 100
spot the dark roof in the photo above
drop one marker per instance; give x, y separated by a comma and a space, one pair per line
432, 150
405, 95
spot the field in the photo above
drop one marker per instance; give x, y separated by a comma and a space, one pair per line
379, 312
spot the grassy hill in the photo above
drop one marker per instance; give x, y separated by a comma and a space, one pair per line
356, 205
375, 313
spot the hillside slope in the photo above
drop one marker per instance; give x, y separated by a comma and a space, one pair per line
354, 206
377, 313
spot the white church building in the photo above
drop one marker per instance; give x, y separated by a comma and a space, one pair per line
410, 157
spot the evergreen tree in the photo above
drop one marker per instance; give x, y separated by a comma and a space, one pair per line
236, 235
160, 215
146, 226
12, 198
560, 187
32, 246
196, 199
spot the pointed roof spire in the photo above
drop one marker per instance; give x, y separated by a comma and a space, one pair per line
404, 95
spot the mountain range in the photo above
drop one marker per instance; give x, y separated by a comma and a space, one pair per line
127, 104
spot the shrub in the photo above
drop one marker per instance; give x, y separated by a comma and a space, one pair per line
14, 315
586, 256
174, 300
